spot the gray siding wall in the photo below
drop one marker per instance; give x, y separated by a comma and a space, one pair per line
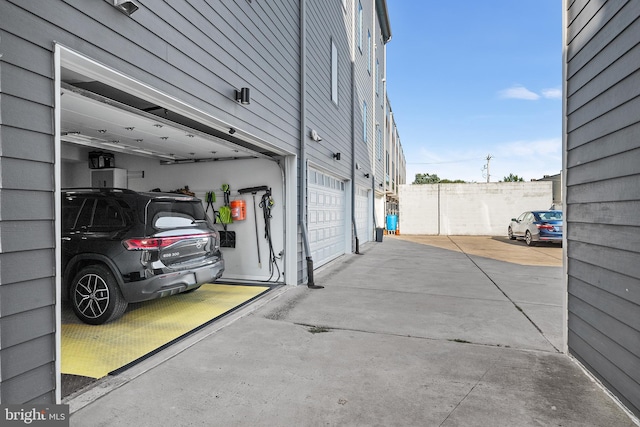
379, 103
341, 124
364, 91
603, 191
326, 23
27, 241
198, 51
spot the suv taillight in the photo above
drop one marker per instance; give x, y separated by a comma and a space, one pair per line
156, 243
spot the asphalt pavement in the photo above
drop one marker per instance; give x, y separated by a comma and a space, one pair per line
439, 331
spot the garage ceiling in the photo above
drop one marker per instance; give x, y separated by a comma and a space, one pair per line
102, 123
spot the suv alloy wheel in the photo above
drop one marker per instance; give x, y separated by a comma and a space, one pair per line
95, 295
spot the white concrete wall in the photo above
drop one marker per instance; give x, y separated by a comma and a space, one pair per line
469, 209
419, 205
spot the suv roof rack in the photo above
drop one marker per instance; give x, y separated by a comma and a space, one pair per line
101, 190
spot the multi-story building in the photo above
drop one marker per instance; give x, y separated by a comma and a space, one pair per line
285, 94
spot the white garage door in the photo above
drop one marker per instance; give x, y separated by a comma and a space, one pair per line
363, 215
327, 213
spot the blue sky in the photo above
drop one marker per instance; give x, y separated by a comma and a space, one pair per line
474, 78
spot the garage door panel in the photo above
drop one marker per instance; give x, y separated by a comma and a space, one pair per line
362, 206
326, 216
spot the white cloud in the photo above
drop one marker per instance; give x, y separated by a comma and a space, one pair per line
552, 93
518, 92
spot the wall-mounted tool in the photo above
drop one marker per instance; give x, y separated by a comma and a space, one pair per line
254, 191
227, 238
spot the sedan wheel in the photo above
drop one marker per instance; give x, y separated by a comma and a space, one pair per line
510, 233
529, 239
95, 295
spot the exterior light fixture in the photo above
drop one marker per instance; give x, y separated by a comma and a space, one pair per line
127, 7
315, 136
232, 131
366, 175
242, 96
336, 156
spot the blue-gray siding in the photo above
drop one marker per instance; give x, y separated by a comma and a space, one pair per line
326, 24
198, 51
602, 194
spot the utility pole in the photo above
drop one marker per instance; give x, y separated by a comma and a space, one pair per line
486, 167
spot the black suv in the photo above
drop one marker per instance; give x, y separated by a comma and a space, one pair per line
121, 246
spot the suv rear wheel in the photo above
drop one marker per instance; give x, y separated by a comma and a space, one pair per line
95, 295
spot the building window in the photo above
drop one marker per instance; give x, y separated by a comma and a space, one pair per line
334, 73
377, 77
360, 26
369, 51
379, 143
386, 166
364, 121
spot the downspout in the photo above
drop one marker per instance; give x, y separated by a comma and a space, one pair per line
353, 132
385, 135
303, 144
353, 158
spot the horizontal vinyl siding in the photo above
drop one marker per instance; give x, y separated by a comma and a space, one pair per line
200, 55
32, 387
601, 367
614, 166
195, 50
622, 141
603, 195
333, 122
595, 32
616, 213
27, 237
364, 92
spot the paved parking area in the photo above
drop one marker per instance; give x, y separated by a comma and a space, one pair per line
495, 247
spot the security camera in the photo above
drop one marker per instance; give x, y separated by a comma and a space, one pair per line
232, 131
125, 6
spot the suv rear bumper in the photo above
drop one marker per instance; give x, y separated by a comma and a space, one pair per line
163, 285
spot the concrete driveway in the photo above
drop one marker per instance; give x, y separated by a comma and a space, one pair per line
406, 334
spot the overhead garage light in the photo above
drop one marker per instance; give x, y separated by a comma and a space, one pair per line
146, 152
77, 138
112, 145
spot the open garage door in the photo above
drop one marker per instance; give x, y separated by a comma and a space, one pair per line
327, 215
149, 152
158, 142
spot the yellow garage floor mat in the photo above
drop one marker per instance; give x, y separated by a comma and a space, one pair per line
96, 351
